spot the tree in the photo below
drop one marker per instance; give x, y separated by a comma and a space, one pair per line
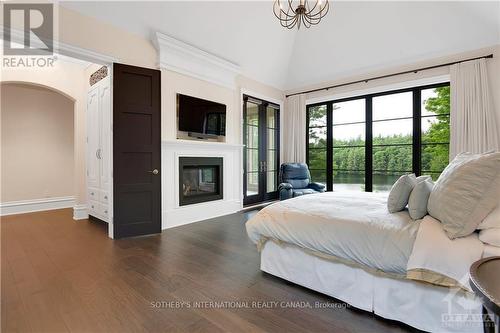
435, 151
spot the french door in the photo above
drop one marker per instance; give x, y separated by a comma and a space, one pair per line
261, 135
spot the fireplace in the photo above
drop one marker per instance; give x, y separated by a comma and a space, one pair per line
200, 179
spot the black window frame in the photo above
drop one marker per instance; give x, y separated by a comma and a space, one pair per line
416, 133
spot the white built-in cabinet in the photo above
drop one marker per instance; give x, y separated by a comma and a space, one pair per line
99, 150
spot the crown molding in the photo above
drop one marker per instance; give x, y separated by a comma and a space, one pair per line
64, 49
186, 59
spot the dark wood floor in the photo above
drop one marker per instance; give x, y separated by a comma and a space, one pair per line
59, 275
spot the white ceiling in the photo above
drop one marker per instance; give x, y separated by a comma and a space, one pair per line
355, 37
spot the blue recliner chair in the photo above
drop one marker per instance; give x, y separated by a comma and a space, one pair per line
295, 180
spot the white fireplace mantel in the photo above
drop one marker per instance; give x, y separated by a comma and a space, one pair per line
201, 145
172, 213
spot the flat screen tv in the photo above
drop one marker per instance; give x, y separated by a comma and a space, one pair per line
200, 117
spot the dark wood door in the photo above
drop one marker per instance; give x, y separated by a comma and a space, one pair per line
136, 151
261, 134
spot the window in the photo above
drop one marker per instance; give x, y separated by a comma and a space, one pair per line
365, 143
392, 127
317, 142
435, 128
348, 148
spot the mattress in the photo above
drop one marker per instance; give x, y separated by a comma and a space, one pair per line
354, 227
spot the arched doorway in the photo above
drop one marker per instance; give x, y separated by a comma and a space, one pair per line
37, 145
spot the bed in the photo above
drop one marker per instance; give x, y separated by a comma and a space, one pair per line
348, 246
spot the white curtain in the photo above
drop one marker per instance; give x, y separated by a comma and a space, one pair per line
472, 120
294, 129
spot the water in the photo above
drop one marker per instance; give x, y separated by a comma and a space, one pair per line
356, 182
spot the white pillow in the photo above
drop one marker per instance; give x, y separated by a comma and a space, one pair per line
490, 236
465, 193
400, 193
492, 220
422, 178
417, 204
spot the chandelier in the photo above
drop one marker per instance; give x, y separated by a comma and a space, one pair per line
298, 12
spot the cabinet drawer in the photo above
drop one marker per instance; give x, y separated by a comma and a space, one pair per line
104, 197
93, 207
93, 194
104, 210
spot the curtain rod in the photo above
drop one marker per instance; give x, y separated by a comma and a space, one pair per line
389, 75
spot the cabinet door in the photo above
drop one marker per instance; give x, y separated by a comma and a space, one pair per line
93, 138
105, 129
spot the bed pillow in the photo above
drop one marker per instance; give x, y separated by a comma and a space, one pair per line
492, 220
490, 236
417, 203
400, 193
465, 193
423, 178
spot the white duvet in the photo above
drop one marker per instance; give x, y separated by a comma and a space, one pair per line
357, 227
352, 226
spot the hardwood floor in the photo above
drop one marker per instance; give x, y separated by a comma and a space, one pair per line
59, 275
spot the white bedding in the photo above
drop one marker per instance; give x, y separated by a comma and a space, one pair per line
356, 227
491, 251
434, 251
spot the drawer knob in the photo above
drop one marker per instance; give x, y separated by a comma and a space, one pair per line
105, 212
105, 197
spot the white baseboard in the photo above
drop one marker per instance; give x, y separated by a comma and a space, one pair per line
80, 212
36, 205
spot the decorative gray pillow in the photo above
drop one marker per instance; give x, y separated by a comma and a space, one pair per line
465, 193
417, 204
400, 193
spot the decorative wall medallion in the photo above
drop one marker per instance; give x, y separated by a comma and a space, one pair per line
98, 75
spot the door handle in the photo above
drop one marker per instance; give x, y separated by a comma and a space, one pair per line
98, 153
154, 172
263, 166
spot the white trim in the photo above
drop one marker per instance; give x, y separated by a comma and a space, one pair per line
200, 144
186, 59
79, 53
382, 88
189, 214
80, 212
36, 205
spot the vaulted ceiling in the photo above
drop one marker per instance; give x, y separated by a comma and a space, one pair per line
355, 37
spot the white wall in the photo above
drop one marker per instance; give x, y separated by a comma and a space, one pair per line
174, 83
37, 143
96, 36
68, 79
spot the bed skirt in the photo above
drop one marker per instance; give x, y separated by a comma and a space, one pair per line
421, 305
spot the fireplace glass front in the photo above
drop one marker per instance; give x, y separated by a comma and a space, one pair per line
200, 179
